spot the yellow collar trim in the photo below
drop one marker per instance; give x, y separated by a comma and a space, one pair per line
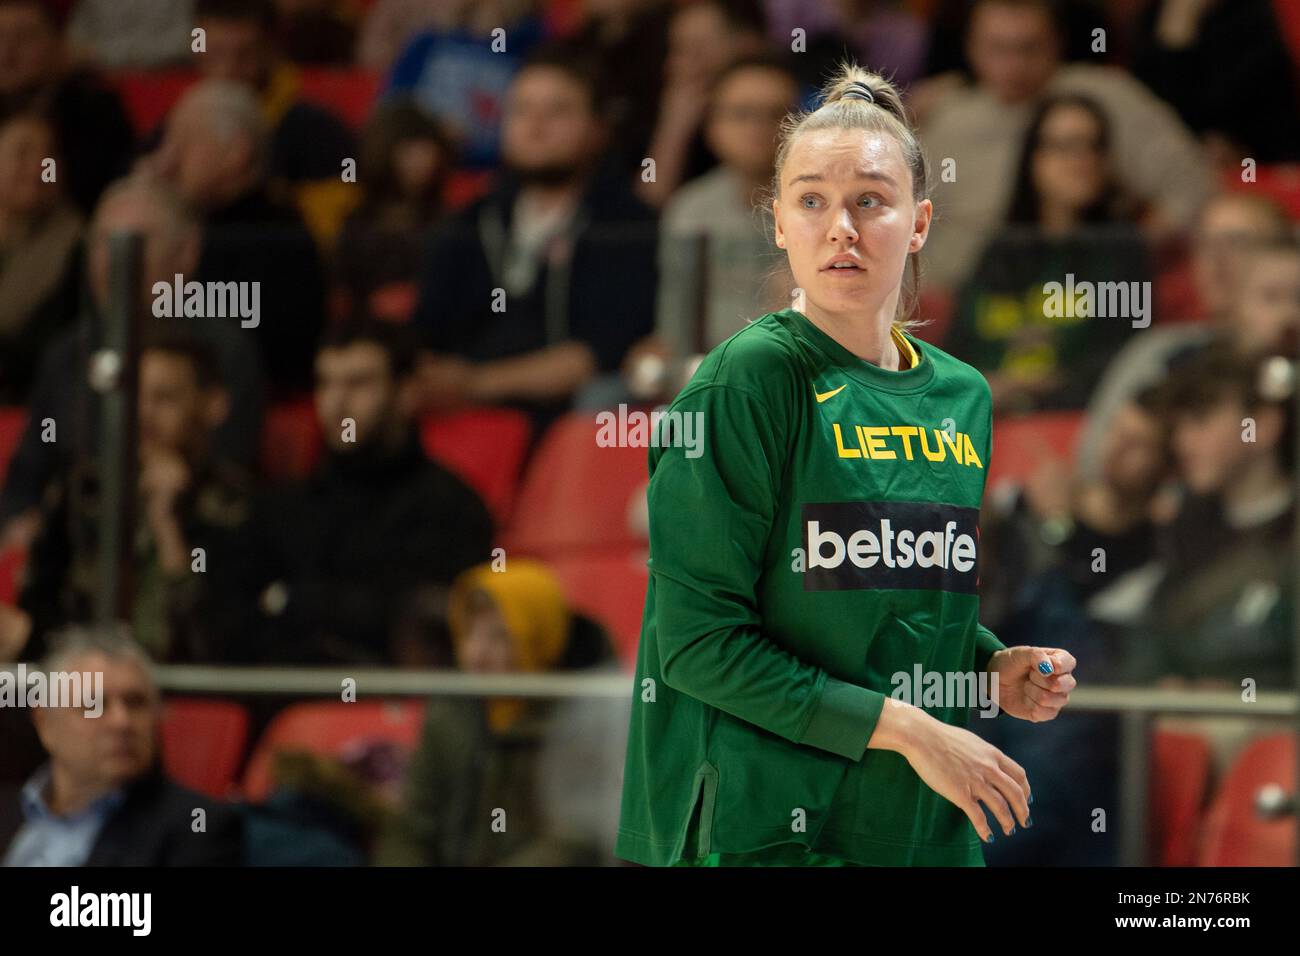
910, 355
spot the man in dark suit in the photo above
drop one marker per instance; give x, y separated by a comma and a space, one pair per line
102, 799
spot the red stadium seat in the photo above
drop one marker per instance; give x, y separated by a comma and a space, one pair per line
348, 94
1180, 777
12, 562
1278, 181
13, 420
486, 448
1020, 444
331, 728
1235, 834
291, 442
609, 588
149, 95
577, 495
203, 743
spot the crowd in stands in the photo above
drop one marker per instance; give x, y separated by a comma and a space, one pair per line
551, 207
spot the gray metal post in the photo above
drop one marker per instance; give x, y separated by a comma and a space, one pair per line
113, 375
1135, 744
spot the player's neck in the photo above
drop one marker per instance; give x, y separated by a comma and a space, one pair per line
868, 339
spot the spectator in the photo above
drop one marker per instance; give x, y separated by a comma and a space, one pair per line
1230, 230
405, 162
459, 74
37, 73
315, 31
572, 250
335, 562
1180, 43
308, 144
1014, 49
214, 153
476, 756
715, 255
61, 395
1222, 610
390, 24
156, 33
40, 237
187, 499
102, 799
704, 36
1067, 218
628, 42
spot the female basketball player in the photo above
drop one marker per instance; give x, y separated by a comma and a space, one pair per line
811, 639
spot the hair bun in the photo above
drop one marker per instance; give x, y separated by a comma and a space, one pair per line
857, 90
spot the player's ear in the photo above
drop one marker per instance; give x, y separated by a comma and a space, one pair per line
921, 225
776, 219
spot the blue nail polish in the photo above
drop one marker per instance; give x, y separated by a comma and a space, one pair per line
990, 837
1029, 822
1045, 667
1013, 832
1031, 798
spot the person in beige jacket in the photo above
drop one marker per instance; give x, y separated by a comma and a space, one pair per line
973, 133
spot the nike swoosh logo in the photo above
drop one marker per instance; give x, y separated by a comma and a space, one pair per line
822, 396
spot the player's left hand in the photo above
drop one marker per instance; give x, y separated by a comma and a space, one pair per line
1024, 689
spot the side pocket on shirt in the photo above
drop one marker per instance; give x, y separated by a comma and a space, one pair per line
696, 841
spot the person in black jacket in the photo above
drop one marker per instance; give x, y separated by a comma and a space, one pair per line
215, 152
336, 563
548, 280
36, 73
102, 799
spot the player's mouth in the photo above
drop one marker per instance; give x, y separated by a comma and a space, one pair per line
843, 265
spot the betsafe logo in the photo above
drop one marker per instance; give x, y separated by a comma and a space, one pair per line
890, 544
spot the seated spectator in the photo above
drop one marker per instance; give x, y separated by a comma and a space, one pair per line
1014, 49
1067, 218
334, 563
1222, 610
1179, 44
40, 237
405, 161
94, 134
1230, 232
459, 77
715, 255
476, 756
155, 34
62, 395
315, 31
1056, 523
187, 499
102, 799
704, 37
307, 143
628, 42
389, 24
548, 280
214, 153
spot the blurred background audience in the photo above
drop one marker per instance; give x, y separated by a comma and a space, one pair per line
473, 225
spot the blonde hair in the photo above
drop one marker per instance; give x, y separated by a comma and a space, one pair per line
844, 104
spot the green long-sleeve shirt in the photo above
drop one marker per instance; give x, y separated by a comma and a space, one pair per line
818, 541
